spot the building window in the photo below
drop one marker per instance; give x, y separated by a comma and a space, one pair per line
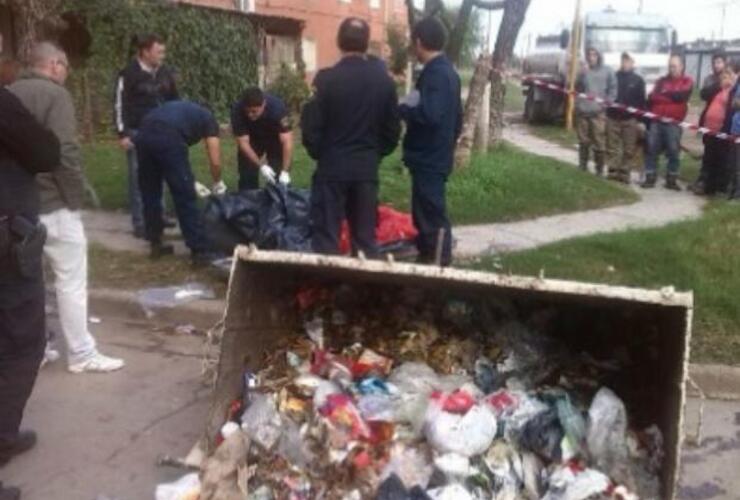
374, 4
310, 56
346, 1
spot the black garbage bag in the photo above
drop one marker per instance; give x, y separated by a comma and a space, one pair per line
274, 218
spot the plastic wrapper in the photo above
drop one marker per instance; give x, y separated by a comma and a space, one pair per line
469, 434
572, 483
377, 407
607, 436
185, 488
410, 464
262, 422
451, 492
455, 468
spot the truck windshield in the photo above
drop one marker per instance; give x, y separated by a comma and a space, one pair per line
629, 40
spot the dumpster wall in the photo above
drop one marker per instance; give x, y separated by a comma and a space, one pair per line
649, 330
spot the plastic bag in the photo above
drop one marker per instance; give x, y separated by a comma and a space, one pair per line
543, 435
455, 468
607, 436
451, 492
185, 488
173, 296
261, 421
392, 230
570, 483
574, 427
469, 434
377, 407
409, 464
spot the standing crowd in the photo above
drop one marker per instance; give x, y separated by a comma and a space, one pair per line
613, 134
352, 121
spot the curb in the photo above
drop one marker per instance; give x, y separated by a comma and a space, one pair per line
201, 313
715, 381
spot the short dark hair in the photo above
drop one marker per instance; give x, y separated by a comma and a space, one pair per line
720, 54
147, 40
353, 35
431, 33
253, 97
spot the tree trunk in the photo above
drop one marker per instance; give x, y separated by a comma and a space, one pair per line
481, 75
31, 18
514, 14
457, 36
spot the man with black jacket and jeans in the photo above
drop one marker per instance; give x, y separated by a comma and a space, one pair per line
622, 127
26, 148
433, 115
145, 84
348, 127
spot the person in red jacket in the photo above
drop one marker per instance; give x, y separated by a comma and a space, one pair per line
668, 99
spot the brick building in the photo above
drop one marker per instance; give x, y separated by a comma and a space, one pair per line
304, 31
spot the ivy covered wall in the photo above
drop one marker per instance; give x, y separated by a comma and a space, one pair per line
214, 53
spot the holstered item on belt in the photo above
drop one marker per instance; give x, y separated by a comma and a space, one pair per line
27, 246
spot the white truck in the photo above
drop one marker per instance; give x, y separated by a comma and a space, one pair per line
649, 38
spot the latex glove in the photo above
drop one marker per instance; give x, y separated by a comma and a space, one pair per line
219, 188
412, 99
268, 173
284, 178
201, 190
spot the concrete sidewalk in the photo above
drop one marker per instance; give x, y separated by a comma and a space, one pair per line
656, 208
113, 231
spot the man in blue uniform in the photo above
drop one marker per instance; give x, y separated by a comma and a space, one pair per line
433, 115
162, 145
261, 125
349, 125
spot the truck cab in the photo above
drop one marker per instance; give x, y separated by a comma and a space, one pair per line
648, 38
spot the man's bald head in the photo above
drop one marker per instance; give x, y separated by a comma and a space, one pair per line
354, 35
49, 60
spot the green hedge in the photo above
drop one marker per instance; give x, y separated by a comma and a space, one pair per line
214, 52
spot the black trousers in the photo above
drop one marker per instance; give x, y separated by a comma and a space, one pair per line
429, 211
249, 172
716, 165
331, 202
22, 343
735, 173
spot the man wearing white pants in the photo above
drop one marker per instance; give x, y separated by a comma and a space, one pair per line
62, 193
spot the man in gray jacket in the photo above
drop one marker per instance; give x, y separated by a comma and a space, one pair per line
599, 81
62, 193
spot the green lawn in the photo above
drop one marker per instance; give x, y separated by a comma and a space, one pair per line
507, 184
698, 255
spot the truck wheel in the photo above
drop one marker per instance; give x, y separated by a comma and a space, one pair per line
533, 110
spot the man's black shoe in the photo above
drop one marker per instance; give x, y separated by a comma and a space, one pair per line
671, 183
9, 493
24, 442
649, 181
139, 233
159, 250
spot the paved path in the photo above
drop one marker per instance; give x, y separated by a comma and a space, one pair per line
657, 207
112, 230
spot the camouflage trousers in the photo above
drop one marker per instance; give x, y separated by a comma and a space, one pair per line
592, 132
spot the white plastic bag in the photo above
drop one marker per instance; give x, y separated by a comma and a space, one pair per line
565, 484
468, 435
185, 488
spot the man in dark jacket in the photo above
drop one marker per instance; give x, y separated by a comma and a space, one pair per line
348, 127
710, 88
261, 125
142, 86
26, 148
163, 148
622, 127
669, 99
433, 115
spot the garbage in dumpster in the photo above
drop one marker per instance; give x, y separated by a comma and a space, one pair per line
185, 488
424, 403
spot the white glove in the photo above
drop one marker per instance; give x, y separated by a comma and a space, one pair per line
201, 190
219, 188
284, 178
268, 173
412, 99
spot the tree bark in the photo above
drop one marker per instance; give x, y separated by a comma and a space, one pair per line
514, 13
31, 18
481, 76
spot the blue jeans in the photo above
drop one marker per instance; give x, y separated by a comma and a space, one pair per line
163, 156
663, 137
135, 204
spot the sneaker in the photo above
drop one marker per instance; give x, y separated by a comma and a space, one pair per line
9, 493
50, 355
24, 442
97, 364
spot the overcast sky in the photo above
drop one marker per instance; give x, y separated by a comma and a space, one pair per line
692, 18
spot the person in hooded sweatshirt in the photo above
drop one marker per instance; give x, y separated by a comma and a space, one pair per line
595, 80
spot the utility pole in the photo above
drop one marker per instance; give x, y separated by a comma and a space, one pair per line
575, 43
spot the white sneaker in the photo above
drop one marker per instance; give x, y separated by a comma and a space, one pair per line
50, 355
98, 364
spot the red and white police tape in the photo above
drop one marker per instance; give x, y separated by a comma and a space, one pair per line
633, 111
